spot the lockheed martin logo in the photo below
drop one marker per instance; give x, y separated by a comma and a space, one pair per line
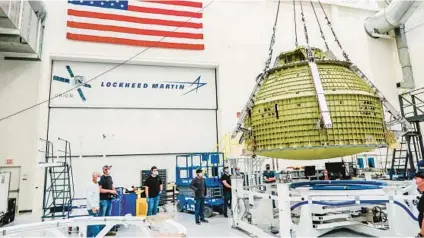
75, 80
79, 81
160, 86
196, 83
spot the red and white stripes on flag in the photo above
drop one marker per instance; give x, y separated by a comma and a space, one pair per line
137, 22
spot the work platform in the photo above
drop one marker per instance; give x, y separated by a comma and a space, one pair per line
408, 159
412, 105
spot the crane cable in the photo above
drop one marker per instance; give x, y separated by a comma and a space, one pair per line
267, 63
320, 28
271, 44
295, 24
309, 50
104, 72
334, 33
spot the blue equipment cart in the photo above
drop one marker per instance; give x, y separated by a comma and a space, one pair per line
212, 165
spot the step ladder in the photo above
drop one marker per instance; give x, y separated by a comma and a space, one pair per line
399, 163
58, 181
406, 159
409, 158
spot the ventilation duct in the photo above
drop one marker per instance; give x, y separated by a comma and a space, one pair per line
393, 18
21, 29
396, 14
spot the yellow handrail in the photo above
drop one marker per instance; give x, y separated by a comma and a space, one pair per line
227, 145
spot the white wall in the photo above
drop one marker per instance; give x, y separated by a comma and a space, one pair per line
236, 34
415, 37
19, 83
133, 131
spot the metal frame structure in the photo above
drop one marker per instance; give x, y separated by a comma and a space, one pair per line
213, 164
411, 152
58, 181
324, 211
56, 228
251, 167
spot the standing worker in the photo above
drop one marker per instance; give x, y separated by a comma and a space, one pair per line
226, 189
269, 176
419, 181
93, 202
198, 184
154, 187
107, 194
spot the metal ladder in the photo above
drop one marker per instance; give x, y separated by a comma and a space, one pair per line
400, 160
412, 149
58, 182
406, 160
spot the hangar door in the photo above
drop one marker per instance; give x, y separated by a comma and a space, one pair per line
132, 110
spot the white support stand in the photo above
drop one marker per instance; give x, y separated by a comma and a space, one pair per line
286, 224
238, 211
235, 195
55, 227
305, 227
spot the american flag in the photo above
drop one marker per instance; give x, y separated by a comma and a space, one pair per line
137, 22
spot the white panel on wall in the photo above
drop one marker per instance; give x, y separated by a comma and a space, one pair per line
133, 131
132, 86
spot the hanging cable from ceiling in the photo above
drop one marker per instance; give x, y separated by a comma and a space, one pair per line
295, 24
266, 68
320, 28
309, 50
271, 44
334, 33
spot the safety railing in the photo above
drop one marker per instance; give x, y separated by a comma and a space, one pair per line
412, 105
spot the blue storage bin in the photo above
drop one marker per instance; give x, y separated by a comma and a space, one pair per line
129, 204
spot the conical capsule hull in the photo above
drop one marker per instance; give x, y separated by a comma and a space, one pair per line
285, 120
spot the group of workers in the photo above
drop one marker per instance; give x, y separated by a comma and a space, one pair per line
101, 191
99, 194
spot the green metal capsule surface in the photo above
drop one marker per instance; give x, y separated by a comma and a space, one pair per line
285, 118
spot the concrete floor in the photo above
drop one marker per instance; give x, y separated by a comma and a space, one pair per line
218, 226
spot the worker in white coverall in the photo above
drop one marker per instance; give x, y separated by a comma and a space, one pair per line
93, 203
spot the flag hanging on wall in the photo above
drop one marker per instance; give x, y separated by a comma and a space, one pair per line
146, 23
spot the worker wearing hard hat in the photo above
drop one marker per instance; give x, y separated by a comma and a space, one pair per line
419, 181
